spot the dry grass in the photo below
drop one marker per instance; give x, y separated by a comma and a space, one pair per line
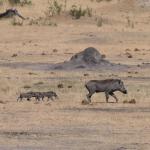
66, 123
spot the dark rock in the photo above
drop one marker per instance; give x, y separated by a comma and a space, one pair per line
138, 65
128, 50
43, 53
86, 74
103, 56
14, 55
69, 86
2, 102
84, 102
52, 72
60, 86
132, 101
128, 55
136, 49
55, 50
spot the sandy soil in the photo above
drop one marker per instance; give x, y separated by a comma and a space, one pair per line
66, 123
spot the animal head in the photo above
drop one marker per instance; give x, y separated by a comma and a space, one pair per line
54, 94
122, 87
13, 12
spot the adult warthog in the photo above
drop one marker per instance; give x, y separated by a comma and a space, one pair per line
109, 86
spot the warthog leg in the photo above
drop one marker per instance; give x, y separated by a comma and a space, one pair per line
89, 96
114, 96
37, 98
50, 97
19, 99
107, 96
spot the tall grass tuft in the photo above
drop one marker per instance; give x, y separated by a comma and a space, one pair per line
77, 12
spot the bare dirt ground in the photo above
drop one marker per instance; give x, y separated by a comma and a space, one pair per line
65, 123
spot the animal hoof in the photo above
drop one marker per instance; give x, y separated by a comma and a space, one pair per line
85, 102
132, 101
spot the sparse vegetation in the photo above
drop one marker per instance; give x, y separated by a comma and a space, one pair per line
42, 21
54, 8
100, 0
14, 1
16, 22
28, 53
130, 23
38, 83
32, 73
99, 21
77, 12
20, 2
26, 2
26, 86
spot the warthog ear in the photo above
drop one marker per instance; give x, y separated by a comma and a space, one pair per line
119, 81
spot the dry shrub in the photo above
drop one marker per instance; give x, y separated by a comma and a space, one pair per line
77, 12
60, 86
44, 21
20, 2
54, 8
16, 22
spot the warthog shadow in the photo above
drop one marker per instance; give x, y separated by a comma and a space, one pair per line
118, 109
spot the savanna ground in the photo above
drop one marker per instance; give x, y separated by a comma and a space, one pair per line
65, 123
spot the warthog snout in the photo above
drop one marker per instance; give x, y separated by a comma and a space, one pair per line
122, 87
125, 92
56, 96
